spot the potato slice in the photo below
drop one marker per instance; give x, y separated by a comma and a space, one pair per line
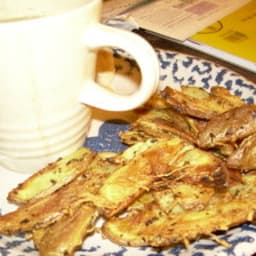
153, 227
235, 101
138, 228
174, 159
197, 102
125, 185
44, 211
52, 177
244, 157
229, 127
161, 123
66, 235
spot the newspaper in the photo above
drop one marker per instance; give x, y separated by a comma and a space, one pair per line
177, 19
231, 38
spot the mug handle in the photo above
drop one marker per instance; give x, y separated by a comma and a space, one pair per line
100, 35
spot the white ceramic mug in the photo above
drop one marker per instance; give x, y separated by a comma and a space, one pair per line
47, 77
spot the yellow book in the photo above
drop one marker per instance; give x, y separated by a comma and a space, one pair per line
234, 34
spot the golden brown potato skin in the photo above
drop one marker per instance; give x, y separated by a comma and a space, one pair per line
52, 177
47, 210
174, 159
197, 102
155, 227
66, 235
229, 127
162, 123
244, 157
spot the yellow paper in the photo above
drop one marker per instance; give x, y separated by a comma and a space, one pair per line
234, 34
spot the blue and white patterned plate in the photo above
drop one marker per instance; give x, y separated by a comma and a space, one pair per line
176, 69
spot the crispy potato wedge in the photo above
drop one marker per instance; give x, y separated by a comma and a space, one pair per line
234, 100
36, 214
138, 227
133, 179
161, 123
124, 186
195, 166
244, 157
197, 102
51, 208
66, 235
229, 127
230, 100
152, 226
52, 177
174, 158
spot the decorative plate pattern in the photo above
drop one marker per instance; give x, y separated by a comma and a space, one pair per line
176, 69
